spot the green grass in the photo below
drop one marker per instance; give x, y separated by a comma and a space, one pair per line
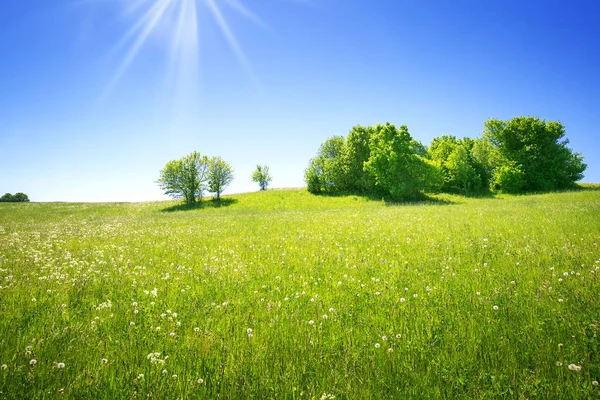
409, 293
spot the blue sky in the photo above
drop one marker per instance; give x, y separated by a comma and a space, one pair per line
84, 117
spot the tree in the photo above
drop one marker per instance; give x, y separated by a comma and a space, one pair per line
16, 198
262, 176
185, 178
538, 149
7, 198
220, 175
20, 198
356, 152
325, 172
397, 168
460, 170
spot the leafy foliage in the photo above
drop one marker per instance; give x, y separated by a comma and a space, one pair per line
220, 175
262, 176
16, 198
185, 178
538, 148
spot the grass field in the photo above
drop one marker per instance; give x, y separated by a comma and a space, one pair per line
286, 295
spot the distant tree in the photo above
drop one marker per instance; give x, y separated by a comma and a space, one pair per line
16, 198
508, 178
538, 149
398, 169
262, 176
460, 170
7, 198
185, 178
20, 198
220, 175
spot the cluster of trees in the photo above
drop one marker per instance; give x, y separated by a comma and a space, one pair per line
16, 198
521, 154
189, 177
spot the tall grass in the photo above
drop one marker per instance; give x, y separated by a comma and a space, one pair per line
285, 295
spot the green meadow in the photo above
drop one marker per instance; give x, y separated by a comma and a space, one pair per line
286, 295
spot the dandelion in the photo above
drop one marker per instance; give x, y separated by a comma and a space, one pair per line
196, 329
60, 365
495, 308
33, 300
4, 367
311, 322
134, 304
398, 336
140, 376
249, 330
415, 295
164, 371
377, 293
200, 381
377, 345
402, 300
574, 367
331, 310
33, 362
131, 323
559, 364
390, 350
325, 316
104, 361
560, 300
594, 383
174, 377
172, 334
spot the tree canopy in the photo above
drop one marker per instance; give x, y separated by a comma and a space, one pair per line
16, 198
189, 177
262, 176
521, 154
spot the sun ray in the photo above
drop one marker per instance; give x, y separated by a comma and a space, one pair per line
146, 24
229, 36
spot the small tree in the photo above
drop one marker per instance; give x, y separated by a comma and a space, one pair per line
185, 178
20, 198
16, 198
7, 198
262, 176
220, 175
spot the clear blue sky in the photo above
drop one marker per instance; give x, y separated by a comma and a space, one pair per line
95, 98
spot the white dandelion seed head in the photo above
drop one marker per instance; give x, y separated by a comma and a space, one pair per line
249, 330
196, 329
134, 304
384, 338
402, 300
4, 367
398, 336
164, 371
200, 381
33, 362
495, 308
311, 322
377, 345
131, 323
390, 350
595, 383
174, 376
325, 316
331, 310
104, 361
559, 364
34, 300
60, 365
574, 367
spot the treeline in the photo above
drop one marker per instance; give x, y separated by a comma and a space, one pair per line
523, 154
14, 198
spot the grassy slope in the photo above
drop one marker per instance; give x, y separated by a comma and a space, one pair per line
419, 279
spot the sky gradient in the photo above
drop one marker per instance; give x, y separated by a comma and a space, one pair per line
84, 117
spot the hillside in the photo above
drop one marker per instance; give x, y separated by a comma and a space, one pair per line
283, 294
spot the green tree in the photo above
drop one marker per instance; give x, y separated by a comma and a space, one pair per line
397, 168
356, 152
538, 149
185, 177
460, 170
508, 178
325, 172
7, 198
20, 198
262, 176
220, 175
